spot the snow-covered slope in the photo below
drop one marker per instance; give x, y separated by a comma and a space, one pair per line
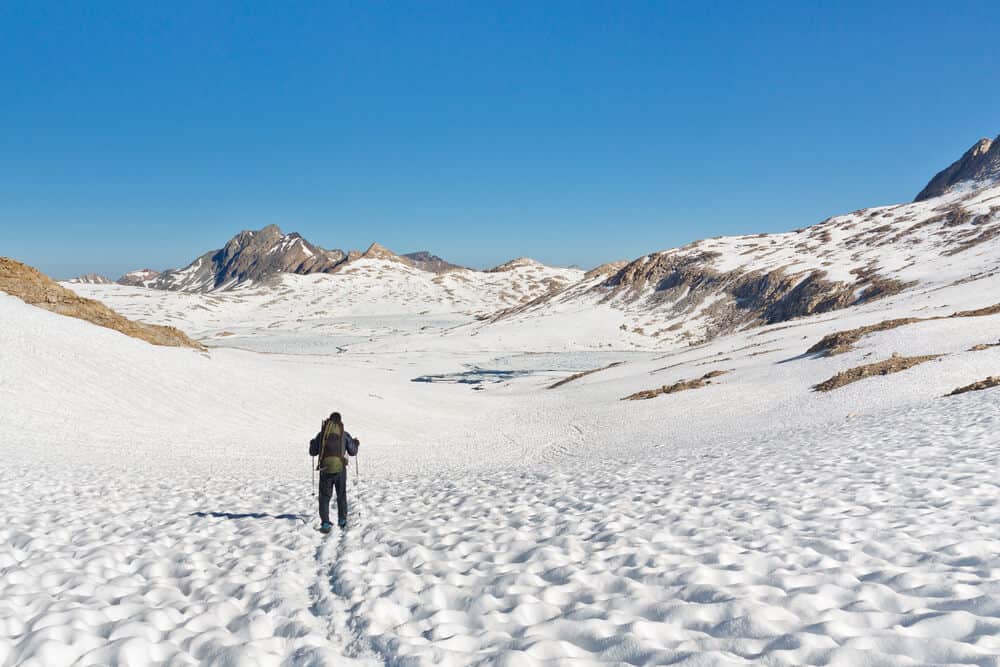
369, 297
717, 286
509, 507
750, 521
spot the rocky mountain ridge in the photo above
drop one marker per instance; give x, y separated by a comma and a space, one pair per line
256, 257
139, 278
432, 263
250, 256
979, 166
717, 286
91, 279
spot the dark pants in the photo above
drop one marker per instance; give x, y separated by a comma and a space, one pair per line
327, 483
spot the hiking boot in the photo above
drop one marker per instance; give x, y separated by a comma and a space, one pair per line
342, 523
325, 527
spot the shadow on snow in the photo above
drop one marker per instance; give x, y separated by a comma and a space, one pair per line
248, 515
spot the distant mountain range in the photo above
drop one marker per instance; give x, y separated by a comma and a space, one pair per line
92, 279
259, 256
951, 232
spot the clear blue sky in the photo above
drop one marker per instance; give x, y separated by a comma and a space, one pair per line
142, 134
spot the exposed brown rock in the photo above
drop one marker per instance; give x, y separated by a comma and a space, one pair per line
140, 278
577, 376
514, 264
979, 312
894, 364
683, 385
984, 347
843, 341
987, 235
879, 288
988, 383
606, 269
376, 251
251, 256
427, 262
782, 297
979, 163
687, 280
37, 289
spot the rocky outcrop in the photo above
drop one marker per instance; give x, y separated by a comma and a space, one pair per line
685, 283
840, 342
980, 165
716, 286
37, 289
606, 269
895, 364
427, 262
251, 256
376, 251
683, 385
988, 383
520, 262
843, 341
139, 278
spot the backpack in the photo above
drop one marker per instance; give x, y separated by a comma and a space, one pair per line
332, 453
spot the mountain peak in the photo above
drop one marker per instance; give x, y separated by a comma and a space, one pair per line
979, 164
251, 256
139, 278
376, 251
430, 262
515, 264
983, 145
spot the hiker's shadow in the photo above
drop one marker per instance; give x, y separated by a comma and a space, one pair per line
800, 357
247, 515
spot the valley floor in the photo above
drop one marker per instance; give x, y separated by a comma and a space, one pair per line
158, 506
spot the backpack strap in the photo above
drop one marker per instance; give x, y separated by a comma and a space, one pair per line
322, 445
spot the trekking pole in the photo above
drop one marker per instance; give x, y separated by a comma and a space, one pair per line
312, 489
357, 480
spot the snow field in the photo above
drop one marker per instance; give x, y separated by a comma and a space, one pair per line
104, 567
874, 542
152, 495
369, 298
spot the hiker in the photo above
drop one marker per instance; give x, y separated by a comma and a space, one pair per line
333, 445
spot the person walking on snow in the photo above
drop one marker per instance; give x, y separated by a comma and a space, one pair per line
333, 445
